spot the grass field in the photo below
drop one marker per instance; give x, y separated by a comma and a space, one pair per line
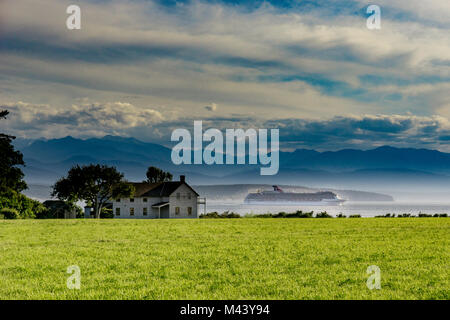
225, 258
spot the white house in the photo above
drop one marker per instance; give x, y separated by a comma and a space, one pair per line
174, 199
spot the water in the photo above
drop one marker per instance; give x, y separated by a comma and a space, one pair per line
365, 209
408, 203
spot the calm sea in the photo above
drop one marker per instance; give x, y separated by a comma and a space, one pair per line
365, 209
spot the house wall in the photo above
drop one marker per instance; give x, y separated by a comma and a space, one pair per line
125, 204
186, 199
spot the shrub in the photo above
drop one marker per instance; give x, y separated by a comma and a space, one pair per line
264, 215
388, 215
281, 214
424, 215
340, 215
323, 215
209, 215
301, 214
231, 215
9, 213
106, 213
297, 214
354, 216
215, 215
27, 208
405, 215
441, 215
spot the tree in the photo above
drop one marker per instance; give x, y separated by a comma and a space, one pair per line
96, 184
28, 208
11, 177
155, 174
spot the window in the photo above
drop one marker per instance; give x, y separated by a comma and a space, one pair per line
189, 196
177, 210
178, 196
189, 211
131, 211
131, 199
117, 211
145, 199
144, 211
118, 200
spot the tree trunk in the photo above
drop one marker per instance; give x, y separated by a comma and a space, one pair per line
97, 211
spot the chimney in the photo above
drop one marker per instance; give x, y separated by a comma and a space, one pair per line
183, 178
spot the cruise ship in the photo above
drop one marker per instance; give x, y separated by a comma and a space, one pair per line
277, 196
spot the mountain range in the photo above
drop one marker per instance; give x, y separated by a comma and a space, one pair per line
380, 169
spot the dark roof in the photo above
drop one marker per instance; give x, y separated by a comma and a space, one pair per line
160, 189
55, 204
143, 187
160, 204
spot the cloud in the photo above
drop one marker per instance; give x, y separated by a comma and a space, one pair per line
311, 69
42, 120
87, 119
364, 131
247, 57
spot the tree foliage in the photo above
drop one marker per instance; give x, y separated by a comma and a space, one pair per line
8, 213
27, 208
155, 174
95, 184
11, 177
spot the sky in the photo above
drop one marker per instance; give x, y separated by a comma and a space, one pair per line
310, 68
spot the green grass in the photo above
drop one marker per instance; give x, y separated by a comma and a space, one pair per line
225, 259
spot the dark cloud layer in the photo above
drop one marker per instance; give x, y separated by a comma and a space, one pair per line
125, 119
364, 131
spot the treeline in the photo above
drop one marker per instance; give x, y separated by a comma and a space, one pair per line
297, 214
408, 215
301, 214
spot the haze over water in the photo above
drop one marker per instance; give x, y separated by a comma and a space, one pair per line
365, 209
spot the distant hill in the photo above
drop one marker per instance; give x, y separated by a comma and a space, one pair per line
379, 169
106, 148
380, 158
